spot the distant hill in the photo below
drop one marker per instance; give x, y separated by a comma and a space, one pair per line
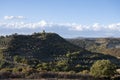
47, 51
101, 45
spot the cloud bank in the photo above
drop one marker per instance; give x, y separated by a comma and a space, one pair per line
70, 26
20, 25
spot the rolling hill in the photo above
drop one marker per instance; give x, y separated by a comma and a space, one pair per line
101, 45
47, 51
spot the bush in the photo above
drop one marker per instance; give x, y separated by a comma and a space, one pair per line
85, 72
103, 68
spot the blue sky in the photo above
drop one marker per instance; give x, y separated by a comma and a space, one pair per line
69, 18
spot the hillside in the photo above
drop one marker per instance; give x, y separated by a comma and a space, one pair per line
39, 46
46, 51
101, 45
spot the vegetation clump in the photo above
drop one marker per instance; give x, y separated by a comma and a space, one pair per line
103, 68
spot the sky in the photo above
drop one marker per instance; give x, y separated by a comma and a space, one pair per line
68, 18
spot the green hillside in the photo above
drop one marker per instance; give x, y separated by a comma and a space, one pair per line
46, 51
39, 46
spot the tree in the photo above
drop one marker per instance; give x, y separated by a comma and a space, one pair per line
103, 68
62, 65
20, 59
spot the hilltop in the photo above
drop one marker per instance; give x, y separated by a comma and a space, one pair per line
42, 46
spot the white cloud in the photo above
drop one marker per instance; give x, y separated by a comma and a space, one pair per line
19, 25
20, 17
115, 27
96, 27
76, 27
13, 17
8, 17
42, 23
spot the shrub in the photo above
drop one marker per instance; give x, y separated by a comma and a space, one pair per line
103, 68
85, 72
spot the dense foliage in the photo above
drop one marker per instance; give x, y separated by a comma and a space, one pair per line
103, 68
